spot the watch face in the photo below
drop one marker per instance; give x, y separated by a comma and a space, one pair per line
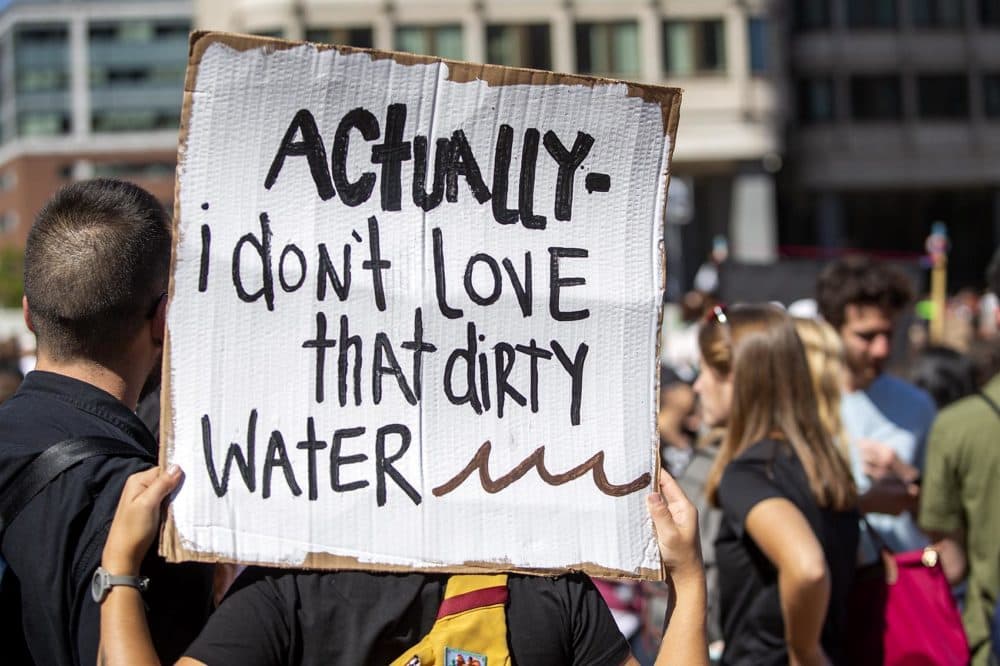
99, 585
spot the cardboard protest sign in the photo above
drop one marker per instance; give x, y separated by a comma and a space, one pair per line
413, 313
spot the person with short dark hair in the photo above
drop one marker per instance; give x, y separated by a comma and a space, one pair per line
886, 419
945, 373
95, 279
961, 495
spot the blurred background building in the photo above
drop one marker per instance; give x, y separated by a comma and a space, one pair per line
808, 127
894, 123
87, 88
720, 51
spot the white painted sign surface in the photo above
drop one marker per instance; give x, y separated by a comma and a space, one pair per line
360, 313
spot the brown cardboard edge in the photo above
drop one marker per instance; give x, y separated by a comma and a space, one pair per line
169, 544
328, 562
668, 99
458, 71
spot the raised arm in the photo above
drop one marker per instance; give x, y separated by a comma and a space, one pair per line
125, 638
781, 531
676, 523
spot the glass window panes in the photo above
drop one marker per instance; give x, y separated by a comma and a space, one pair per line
989, 12
812, 14
760, 44
877, 97
134, 120
872, 13
45, 123
991, 95
815, 100
694, 47
942, 96
608, 49
519, 46
937, 13
359, 37
443, 41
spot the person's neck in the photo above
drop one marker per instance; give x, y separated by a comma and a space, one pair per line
855, 383
96, 374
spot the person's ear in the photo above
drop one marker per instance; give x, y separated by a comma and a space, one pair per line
26, 311
159, 320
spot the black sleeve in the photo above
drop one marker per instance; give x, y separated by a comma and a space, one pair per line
562, 620
251, 628
743, 486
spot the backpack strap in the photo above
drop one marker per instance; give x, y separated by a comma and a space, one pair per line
989, 401
52, 462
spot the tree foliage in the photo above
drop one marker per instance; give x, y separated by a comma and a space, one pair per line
11, 276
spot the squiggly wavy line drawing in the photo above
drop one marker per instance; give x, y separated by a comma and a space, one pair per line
595, 463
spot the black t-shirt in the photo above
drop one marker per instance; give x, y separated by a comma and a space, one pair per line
55, 544
352, 618
752, 623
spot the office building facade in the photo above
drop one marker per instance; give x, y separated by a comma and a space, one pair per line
87, 88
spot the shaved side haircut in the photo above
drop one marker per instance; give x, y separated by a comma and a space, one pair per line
95, 263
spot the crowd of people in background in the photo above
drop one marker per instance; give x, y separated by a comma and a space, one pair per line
803, 448
908, 430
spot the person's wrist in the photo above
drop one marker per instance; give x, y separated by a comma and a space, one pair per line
120, 566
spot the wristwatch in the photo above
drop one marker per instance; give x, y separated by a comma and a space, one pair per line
104, 581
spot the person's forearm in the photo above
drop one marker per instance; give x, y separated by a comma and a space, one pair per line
125, 639
685, 641
804, 598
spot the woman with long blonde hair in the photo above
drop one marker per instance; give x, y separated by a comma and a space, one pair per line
787, 544
825, 356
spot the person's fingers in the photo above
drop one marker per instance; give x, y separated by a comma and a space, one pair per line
671, 490
138, 482
161, 486
658, 511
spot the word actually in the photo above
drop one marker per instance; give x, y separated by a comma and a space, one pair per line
453, 157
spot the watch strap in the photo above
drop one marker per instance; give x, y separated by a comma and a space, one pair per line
140, 583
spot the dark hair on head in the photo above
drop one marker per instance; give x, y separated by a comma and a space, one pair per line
96, 259
944, 373
993, 273
860, 280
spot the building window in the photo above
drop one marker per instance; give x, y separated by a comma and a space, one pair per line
943, 96
362, 38
8, 180
989, 12
8, 222
876, 97
276, 33
134, 170
872, 13
759, 34
443, 41
815, 100
991, 95
133, 120
42, 123
812, 15
519, 46
937, 13
47, 79
608, 49
694, 47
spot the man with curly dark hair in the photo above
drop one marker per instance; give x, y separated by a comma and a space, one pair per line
886, 419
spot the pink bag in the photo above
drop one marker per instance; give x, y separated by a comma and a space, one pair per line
902, 613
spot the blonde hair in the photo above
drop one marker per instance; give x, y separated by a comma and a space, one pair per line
825, 355
772, 393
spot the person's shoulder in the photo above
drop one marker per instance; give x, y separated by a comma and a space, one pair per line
905, 392
969, 416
